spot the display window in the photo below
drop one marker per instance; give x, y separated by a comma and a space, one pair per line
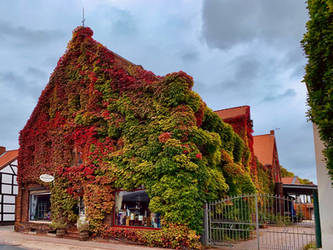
132, 210
40, 206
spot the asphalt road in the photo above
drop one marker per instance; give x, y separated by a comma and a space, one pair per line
10, 247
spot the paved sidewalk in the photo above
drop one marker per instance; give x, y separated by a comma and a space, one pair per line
37, 242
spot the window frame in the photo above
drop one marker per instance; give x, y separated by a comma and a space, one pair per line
36, 193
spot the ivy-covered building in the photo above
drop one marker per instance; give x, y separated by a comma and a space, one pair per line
265, 150
240, 120
264, 161
126, 148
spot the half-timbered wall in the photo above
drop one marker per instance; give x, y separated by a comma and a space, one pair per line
8, 192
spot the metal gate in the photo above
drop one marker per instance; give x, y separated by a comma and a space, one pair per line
261, 221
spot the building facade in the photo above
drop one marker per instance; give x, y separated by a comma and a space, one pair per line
265, 150
122, 147
8, 185
240, 120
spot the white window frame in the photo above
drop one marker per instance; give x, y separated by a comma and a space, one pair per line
37, 192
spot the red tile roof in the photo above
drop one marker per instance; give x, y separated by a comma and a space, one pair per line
8, 157
290, 180
263, 146
233, 112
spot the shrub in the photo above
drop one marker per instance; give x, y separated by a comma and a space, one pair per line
170, 236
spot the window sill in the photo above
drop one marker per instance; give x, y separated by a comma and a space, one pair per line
134, 227
40, 221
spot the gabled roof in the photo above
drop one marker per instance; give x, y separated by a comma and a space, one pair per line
234, 112
8, 157
264, 146
106, 56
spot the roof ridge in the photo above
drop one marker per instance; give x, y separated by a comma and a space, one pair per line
232, 108
263, 135
11, 150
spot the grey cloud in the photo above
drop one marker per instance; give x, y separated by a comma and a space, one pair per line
286, 94
219, 88
51, 61
230, 23
122, 22
292, 147
13, 118
225, 94
18, 98
15, 82
298, 71
247, 70
190, 57
124, 26
226, 23
22, 36
36, 72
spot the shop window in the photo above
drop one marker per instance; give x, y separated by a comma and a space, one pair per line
40, 206
132, 210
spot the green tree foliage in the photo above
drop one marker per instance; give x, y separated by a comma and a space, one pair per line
305, 181
285, 172
318, 47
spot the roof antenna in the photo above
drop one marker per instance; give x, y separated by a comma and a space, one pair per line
83, 19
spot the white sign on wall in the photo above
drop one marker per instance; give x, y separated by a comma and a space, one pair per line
46, 178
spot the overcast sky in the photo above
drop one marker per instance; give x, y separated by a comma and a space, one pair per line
239, 52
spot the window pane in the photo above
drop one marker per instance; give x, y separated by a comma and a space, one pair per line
40, 207
15, 189
6, 189
132, 210
7, 178
9, 208
8, 217
8, 199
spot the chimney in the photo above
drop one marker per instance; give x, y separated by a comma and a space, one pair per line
2, 150
271, 132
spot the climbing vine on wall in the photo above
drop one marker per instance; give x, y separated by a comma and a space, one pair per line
318, 46
130, 128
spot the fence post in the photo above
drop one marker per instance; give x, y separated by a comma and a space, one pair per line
257, 221
317, 219
206, 226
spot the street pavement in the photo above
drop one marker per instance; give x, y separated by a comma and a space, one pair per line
10, 240
10, 247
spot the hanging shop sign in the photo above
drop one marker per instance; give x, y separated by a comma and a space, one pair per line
46, 178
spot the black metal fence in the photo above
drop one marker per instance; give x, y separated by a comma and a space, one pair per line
261, 221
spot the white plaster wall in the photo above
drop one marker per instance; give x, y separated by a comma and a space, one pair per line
325, 192
7, 169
